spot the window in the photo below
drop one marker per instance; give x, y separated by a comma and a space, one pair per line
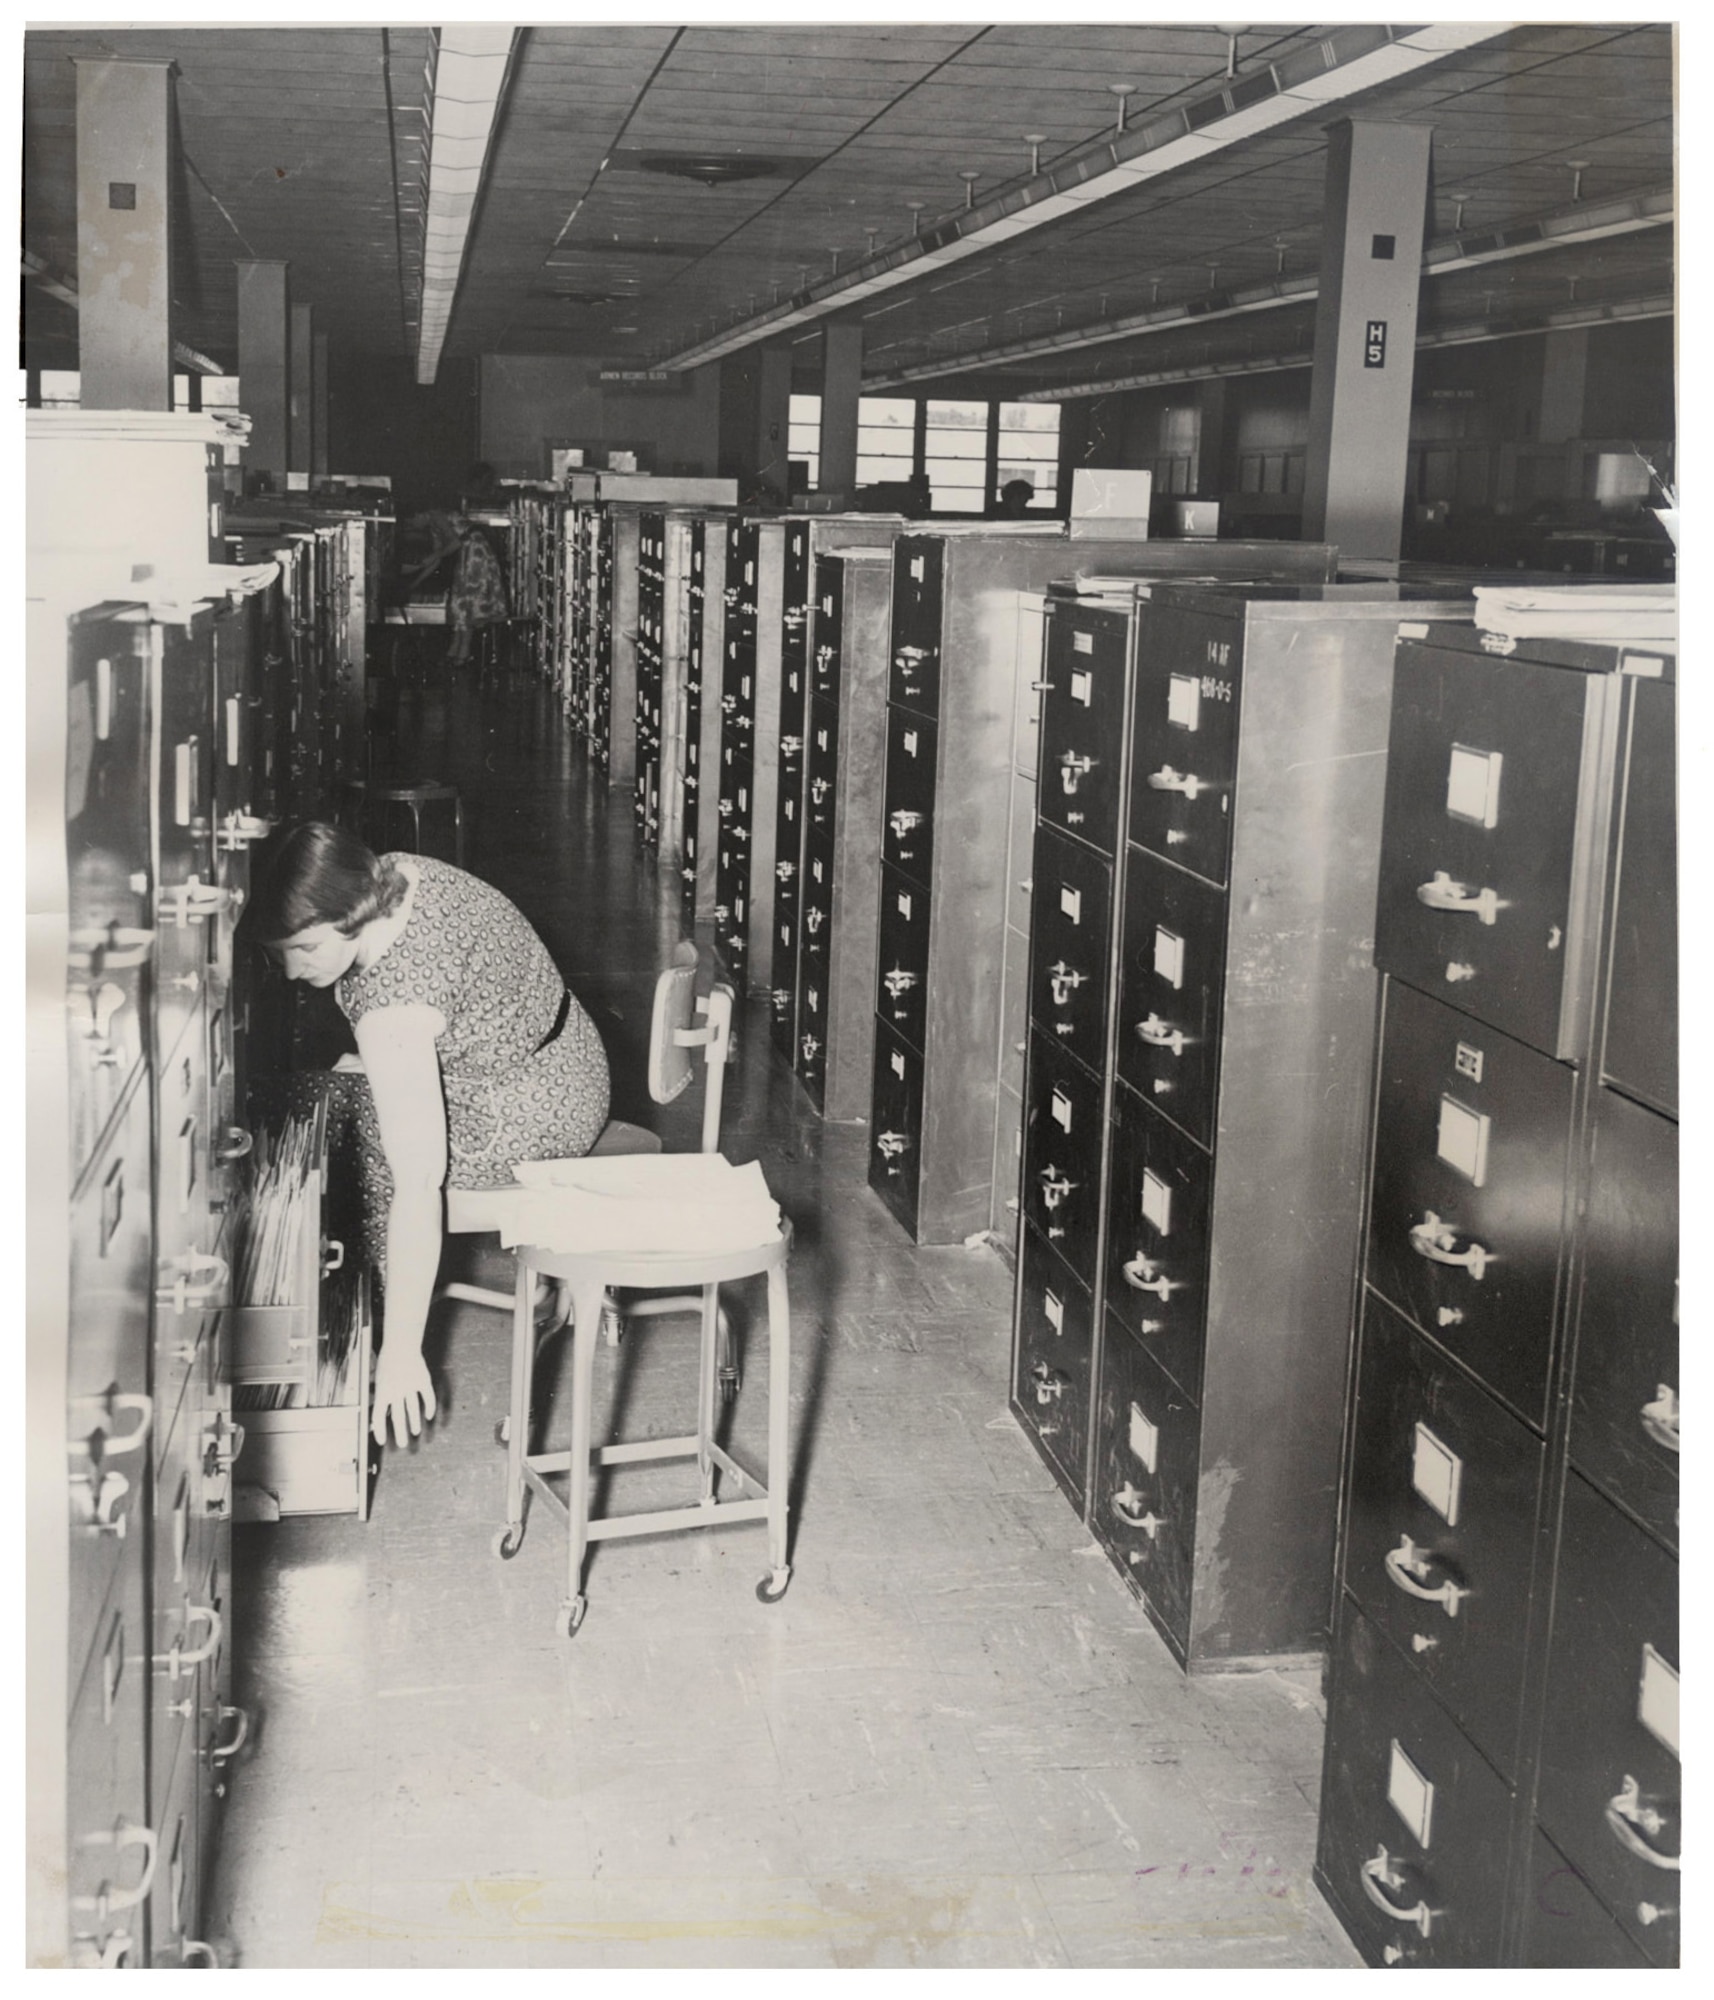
955, 456
886, 439
60, 388
803, 434
1029, 449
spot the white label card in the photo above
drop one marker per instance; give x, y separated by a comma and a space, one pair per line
1463, 1140
1145, 1438
904, 906
916, 569
1410, 1795
1473, 785
1157, 1202
898, 1065
815, 866
1062, 1110
1054, 1308
1183, 700
1083, 642
1071, 903
1657, 1699
1082, 687
1169, 957
1437, 1473
910, 742
821, 739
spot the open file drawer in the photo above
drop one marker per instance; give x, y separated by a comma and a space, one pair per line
305, 1436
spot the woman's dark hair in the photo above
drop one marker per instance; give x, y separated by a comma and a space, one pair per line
320, 874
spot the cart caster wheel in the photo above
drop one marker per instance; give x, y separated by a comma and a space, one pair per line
508, 1541
773, 1586
570, 1617
503, 1431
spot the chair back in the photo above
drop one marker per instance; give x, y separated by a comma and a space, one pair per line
672, 1038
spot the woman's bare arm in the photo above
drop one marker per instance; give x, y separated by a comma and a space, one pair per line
398, 1049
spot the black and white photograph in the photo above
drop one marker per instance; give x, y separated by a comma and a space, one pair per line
851, 1062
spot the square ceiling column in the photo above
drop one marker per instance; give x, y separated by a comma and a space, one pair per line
1365, 336
841, 386
264, 345
124, 235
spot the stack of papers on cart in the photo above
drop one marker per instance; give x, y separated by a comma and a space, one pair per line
640, 1202
1638, 611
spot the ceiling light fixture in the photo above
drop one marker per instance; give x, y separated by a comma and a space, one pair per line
871, 232
1578, 169
1035, 141
1122, 91
1231, 32
1458, 202
969, 176
916, 208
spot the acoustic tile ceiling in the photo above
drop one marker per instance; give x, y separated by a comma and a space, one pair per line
651, 191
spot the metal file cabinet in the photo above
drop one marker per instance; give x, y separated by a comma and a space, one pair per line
1507, 1565
701, 715
952, 695
749, 750
844, 762
1201, 1007
621, 550
806, 539
663, 612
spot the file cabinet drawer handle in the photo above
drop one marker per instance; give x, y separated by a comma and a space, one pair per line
178, 1658
1050, 1383
1166, 779
903, 822
1073, 769
1660, 1418
898, 981
1628, 1819
108, 1899
1442, 893
116, 1447
332, 1255
192, 1281
1434, 1239
1378, 1875
892, 1144
1054, 1186
811, 1048
1133, 1509
1144, 1275
1161, 1034
1064, 981
118, 948
241, 1717
1408, 1569
238, 1146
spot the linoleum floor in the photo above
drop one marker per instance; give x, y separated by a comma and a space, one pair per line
955, 1742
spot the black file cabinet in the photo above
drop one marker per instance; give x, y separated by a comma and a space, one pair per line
1201, 1003
1505, 1679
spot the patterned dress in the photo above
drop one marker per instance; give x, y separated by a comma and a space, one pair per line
478, 592
468, 951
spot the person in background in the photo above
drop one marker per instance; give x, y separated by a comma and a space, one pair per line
1015, 498
476, 592
473, 1052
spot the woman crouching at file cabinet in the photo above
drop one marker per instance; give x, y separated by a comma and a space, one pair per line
475, 1053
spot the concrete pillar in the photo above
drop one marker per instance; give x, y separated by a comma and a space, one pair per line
1365, 336
264, 328
1212, 473
773, 418
841, 385
124, 235
1564, 380
740, 404
300, 401
318, 410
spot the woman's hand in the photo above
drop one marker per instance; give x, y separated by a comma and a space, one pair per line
403, 1393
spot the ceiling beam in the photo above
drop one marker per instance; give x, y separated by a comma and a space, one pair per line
47, 279
1472, 333
1587, 223
466, 82
1348, 59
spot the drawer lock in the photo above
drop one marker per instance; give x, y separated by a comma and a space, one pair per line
1442, 893
1379, 1874
1435, 1240
1630, 1820
1409, 1569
